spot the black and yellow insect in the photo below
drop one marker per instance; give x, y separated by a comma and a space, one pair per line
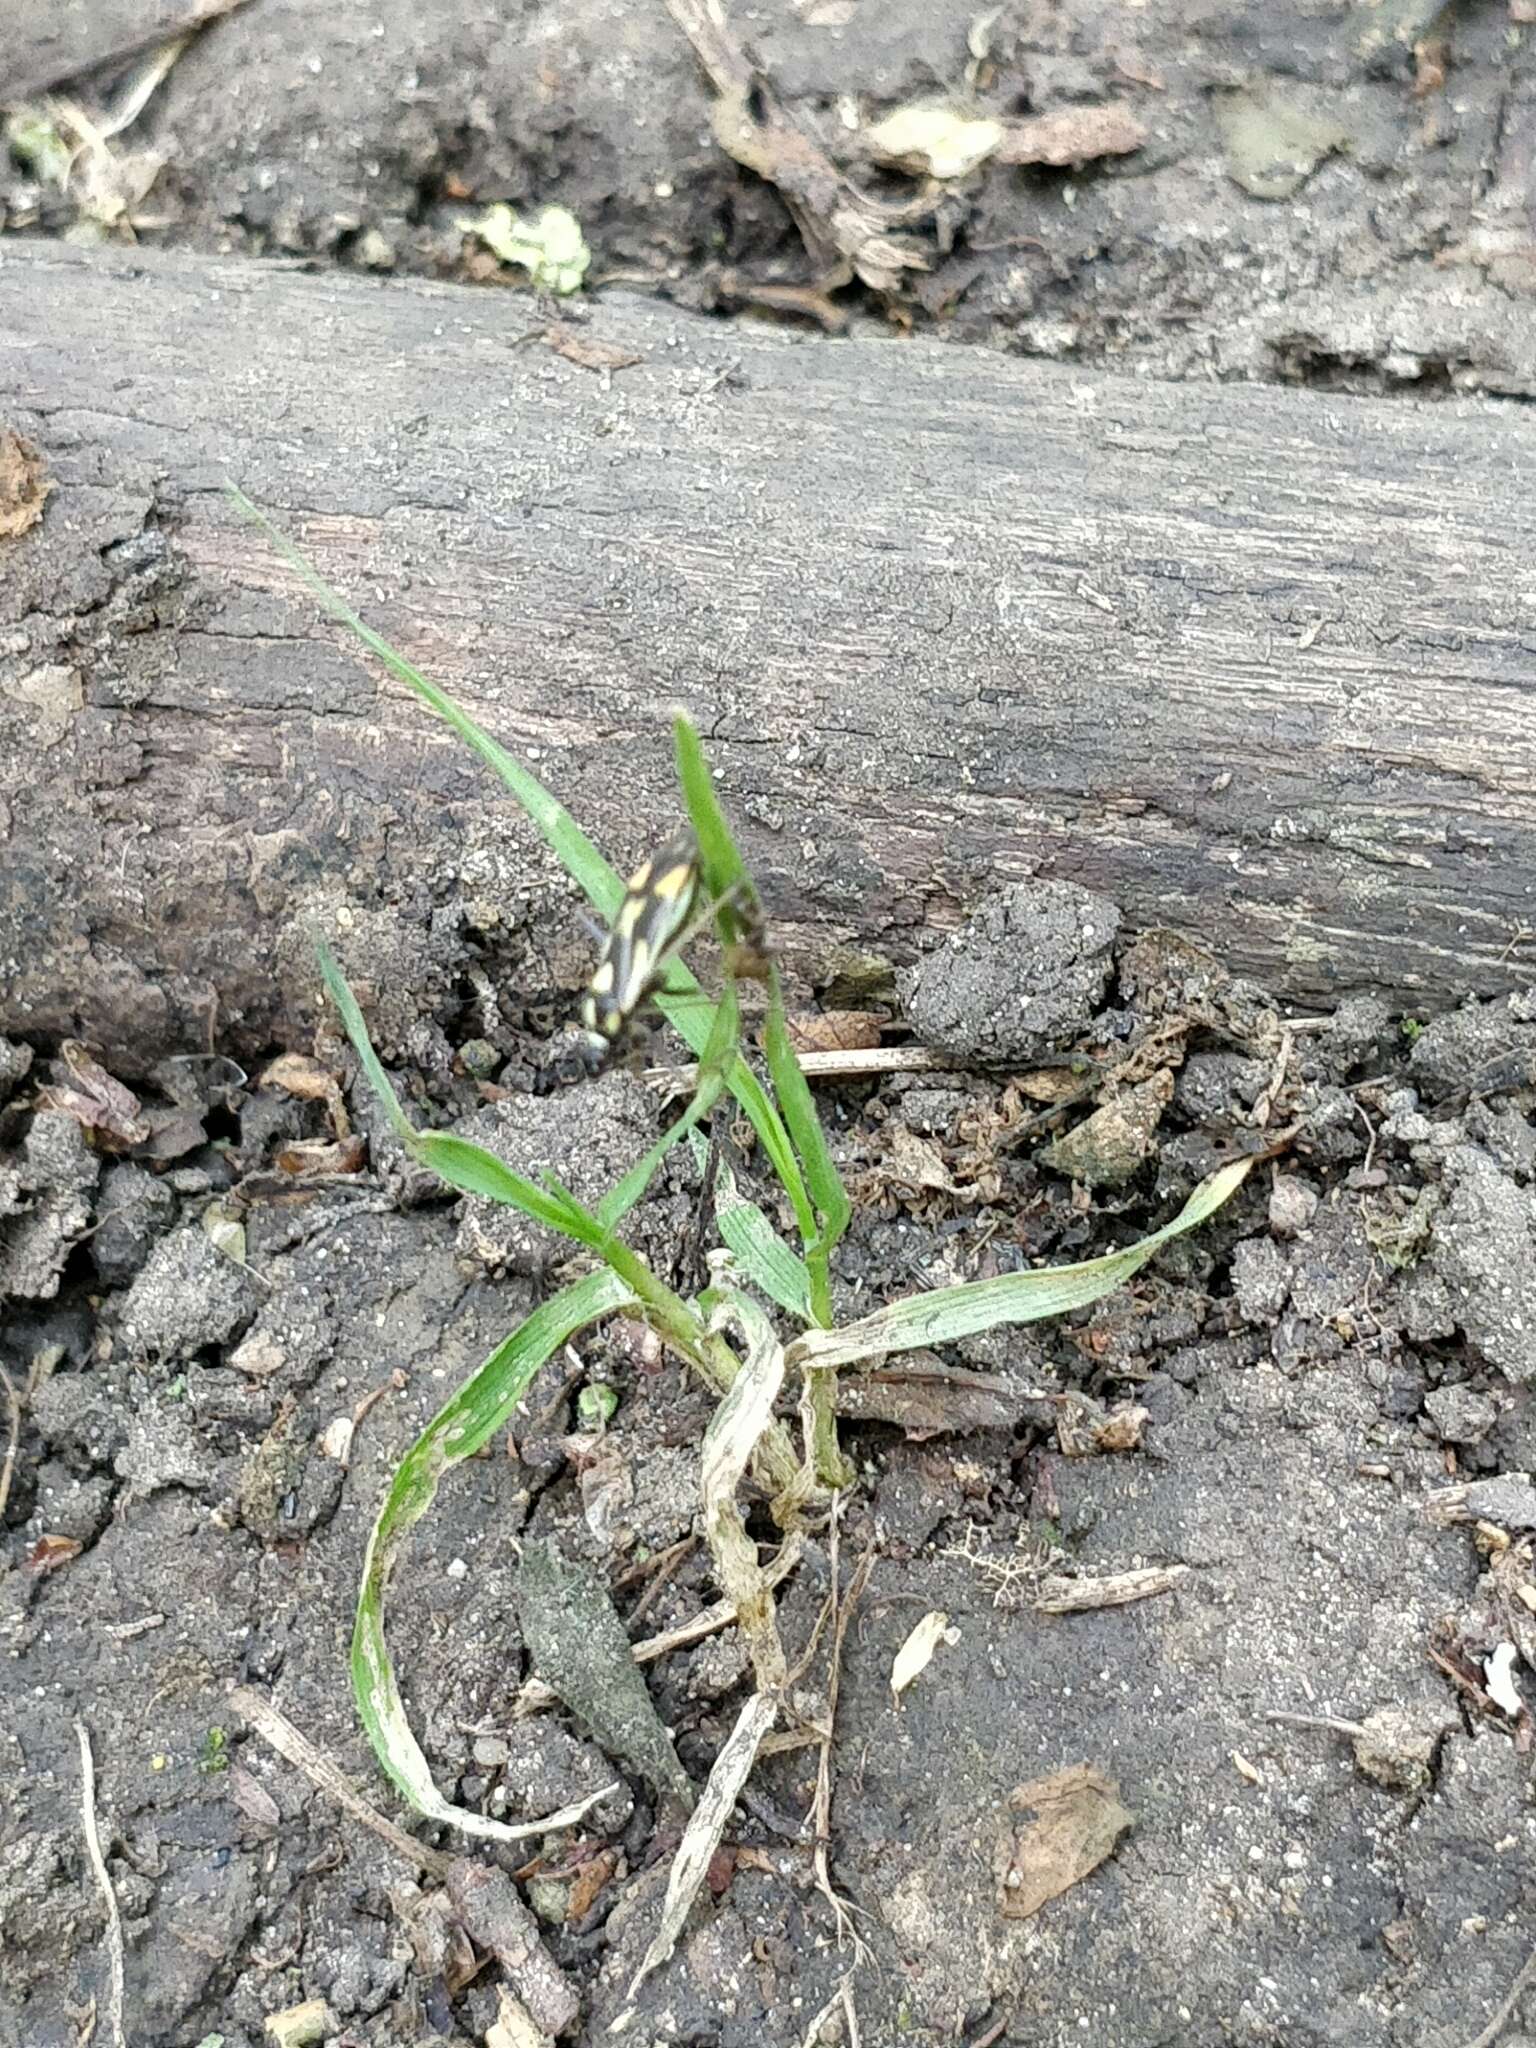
659, 903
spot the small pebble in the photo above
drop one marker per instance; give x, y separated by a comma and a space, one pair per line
1292, 1205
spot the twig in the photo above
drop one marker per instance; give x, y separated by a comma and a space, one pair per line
1495, 2026
1263, 1109
836, 1065
842, 1998
1328, 1721
292, 1743
13, 1403
671, 1565
821, 1809
104, 1882
1060, 1595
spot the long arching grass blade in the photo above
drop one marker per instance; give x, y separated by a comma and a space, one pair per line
682, 1002
465, 1422
947, 1313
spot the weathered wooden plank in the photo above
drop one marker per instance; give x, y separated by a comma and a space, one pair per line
1258, 662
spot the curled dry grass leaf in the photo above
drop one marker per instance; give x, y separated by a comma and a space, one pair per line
948, 1313
465, 1422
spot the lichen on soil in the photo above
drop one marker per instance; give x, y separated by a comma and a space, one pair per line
1310, 1374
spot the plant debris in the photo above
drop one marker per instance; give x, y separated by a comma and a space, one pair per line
1058, 1594
935, 141
1273, 142
586, 351
494, 1917
1073, 135
1073, 1819
706, 1826
813, 1031
85, 1090
930, 1398
580, 1648
550, 247
916, 1653
24, 485
846, 233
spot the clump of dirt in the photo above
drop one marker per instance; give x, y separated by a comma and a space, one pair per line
1247, 1546
1330, 195
1020, 981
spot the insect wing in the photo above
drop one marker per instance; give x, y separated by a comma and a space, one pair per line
658, 903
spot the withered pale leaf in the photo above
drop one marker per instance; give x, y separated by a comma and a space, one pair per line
916, 1653
834, 1030
1070, 1821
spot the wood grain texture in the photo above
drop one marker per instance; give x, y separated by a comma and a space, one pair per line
1257, 662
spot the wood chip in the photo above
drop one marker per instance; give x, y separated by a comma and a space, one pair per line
493, 1915
1075, 135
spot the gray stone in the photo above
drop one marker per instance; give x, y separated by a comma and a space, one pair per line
133, 1210
1484, 1249
1460, 1415
1261, 1278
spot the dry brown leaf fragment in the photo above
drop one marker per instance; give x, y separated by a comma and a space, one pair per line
930, 1399
1109, 1146
912, 1162
49, 1552
585, 350
834, 1030
1085, 1429
310, 1081
95, 1099
589, 1882
318, 1158
24, 485
1075, 135
252, 1798
1072, 1820
296, 1074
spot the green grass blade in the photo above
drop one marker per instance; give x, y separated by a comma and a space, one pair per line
822, 1179
947, 1313
465, 1422
799, 1110
474, 1170
352, 1018
689, 1015
575, 851
684, 1005
718, 1053
727, 881
764, 1258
